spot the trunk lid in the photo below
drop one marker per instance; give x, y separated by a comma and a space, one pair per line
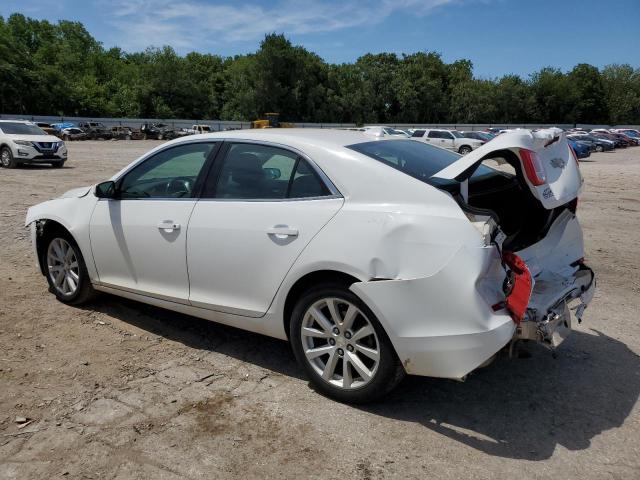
550, 169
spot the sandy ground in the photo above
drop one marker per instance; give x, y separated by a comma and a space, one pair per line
122, 390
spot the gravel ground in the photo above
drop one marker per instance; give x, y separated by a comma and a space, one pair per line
118, 389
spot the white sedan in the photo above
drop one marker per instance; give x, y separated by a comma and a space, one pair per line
374, 257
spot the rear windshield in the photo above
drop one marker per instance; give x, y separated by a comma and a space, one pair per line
417, 159
16, 128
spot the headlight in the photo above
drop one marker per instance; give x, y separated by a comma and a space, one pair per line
60, 144
23, 142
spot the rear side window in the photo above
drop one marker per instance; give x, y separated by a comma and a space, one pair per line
417, 159
418, 133
434, 134
261, 172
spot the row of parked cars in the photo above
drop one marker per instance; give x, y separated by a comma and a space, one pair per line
582, 141
98, 131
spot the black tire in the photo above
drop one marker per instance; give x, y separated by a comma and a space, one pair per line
65, 138
160, 136
84, 291
128, 137
464, 150
389, 371
59, 164
6, 158
599, 148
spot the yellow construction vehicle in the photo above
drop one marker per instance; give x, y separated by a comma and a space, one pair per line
271, 120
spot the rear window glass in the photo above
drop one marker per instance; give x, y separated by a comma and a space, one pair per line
417, 159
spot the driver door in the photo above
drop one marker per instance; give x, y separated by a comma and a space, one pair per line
138, 239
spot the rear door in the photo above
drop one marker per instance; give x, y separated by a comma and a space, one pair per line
550, 169
261, 206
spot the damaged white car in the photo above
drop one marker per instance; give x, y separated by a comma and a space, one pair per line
374, 257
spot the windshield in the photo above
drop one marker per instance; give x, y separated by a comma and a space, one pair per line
417, 159
16, 128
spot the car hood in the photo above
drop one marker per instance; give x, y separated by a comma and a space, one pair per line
35, 138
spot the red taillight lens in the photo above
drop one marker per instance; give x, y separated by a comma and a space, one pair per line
533, 167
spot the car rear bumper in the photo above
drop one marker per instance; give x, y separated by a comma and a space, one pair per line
444, 325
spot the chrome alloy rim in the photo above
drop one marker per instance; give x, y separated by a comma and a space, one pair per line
5, 157
63, 266
340, 343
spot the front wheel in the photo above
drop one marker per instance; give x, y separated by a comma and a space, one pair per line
66, 271
464, 150
599, 148
6, 158
342, 346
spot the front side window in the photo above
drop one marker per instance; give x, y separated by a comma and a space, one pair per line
261, 172
171, 173
17, 128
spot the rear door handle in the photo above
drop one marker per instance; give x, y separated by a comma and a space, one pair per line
283, 231
168, 225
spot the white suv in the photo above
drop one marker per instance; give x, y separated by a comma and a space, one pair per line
449, 139
25, 142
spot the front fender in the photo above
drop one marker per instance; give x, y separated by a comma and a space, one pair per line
74, 214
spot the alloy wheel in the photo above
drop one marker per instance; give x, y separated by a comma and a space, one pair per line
340, 343
5, 158
63, 266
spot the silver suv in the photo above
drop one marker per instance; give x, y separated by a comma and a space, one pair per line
24, 142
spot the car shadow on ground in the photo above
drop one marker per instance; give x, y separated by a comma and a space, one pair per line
524, 408
515, 408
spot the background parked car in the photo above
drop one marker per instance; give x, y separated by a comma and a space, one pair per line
73, 134
618, 142
95, 130
121, 132
449, 139
483, 136
599, 144
581, 149
47, 128
157, 131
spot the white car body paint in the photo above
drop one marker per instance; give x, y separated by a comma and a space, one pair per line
421, 265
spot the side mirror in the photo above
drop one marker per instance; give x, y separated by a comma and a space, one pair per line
106, 190
272, 173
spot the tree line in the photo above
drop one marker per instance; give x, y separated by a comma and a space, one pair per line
60, 69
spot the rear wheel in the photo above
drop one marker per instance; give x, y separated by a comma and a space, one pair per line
66, 271
464, 150
599, 148
6, 158
342, 346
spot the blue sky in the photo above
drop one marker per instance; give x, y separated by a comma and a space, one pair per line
498, 36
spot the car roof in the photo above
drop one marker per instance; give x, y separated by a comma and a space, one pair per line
320, 137
16, 121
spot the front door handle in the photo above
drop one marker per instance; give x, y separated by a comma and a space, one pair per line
168, 226
283, 231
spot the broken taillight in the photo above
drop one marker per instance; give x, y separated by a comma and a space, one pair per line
520, 285
533, 167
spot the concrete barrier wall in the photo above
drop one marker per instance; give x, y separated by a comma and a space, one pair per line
225, 125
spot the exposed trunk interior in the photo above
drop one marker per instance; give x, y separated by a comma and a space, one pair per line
509, 200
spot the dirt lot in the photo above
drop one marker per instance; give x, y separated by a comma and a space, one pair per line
123, 390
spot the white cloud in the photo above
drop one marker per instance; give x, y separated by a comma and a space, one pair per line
198, 24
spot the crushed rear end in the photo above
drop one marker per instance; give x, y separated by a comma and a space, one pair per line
530, 218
